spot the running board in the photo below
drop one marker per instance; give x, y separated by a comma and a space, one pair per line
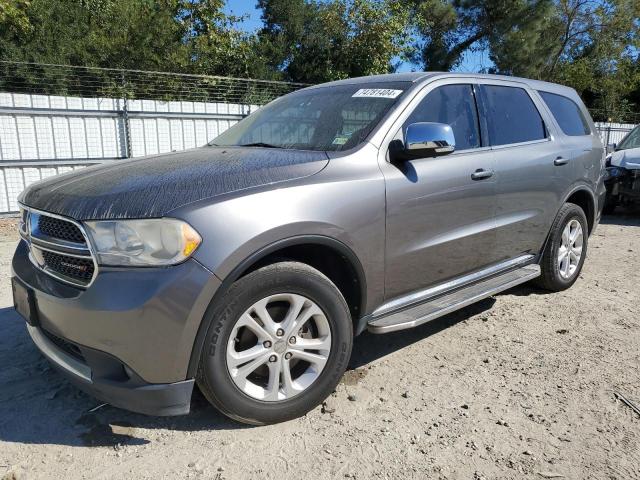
449, 302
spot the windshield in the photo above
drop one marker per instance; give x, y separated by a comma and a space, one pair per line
632, 140
326, 118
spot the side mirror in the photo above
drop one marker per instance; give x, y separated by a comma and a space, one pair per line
424, 139
611, 148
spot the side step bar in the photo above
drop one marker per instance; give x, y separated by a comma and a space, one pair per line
449, 302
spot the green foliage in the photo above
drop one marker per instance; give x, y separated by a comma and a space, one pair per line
170, 35
446, 30
315, 41
13, 18
591, 45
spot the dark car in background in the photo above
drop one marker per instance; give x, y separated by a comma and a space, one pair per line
247, 266
622, 178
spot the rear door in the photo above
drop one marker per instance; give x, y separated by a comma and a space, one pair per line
527, 154
440, 220
577, 135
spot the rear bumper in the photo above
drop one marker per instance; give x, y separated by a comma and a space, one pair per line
121, 390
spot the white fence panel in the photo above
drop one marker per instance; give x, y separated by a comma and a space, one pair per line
42, 135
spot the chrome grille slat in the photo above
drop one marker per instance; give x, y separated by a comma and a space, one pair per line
59, 247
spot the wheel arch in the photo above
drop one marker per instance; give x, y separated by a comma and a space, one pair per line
585, 199
582, 196
348, 276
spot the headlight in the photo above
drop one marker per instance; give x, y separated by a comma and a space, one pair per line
151, 242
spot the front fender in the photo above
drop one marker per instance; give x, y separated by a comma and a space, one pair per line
346, 205
345, 211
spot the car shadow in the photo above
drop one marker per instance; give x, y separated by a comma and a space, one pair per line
38, 406
623, 216
369, 347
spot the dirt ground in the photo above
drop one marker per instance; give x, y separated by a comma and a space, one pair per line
520, 386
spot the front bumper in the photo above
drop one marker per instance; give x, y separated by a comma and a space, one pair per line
127, 339
623, 182
121, 390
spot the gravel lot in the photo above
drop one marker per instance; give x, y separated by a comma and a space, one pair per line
518, 386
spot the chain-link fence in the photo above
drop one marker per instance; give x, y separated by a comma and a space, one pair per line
92, 82
58, 118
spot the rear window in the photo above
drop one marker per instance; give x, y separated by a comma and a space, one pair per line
512, 117
567, 114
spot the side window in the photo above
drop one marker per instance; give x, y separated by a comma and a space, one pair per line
454, 105
512, 116
567, 114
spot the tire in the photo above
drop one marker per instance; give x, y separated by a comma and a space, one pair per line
251, 398
552, 278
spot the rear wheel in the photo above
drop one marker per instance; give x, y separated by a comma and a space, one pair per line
566, 249
277, 346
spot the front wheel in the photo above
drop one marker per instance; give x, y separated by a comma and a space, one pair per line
566, 249
277, 345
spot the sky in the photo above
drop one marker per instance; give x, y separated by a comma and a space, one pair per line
471, 62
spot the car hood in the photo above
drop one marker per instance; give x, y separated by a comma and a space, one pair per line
153, 186
629, 159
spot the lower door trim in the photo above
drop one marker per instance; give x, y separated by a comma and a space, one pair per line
426, 294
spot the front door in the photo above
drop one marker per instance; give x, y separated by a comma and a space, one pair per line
440, 212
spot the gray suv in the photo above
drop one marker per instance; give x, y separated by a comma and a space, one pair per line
248, 265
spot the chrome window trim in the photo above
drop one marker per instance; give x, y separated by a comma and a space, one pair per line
35, 242
522, 144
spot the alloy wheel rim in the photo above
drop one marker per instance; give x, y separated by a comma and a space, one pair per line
278, 347
570, 250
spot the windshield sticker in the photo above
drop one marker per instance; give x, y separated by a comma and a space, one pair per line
377, 93
340, 139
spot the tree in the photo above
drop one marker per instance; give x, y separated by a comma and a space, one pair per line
591, 45
315, 41
214, 42
13, 18
446, 30
108, 33
169, 35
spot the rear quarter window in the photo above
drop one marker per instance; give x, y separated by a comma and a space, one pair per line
567, 113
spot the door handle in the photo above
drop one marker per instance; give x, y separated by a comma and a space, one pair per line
560, 161
481, 174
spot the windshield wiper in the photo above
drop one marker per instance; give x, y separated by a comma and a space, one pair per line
259, 144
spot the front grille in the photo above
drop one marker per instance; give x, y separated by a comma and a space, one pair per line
58, 247
64, 345
80, 269
61, 229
